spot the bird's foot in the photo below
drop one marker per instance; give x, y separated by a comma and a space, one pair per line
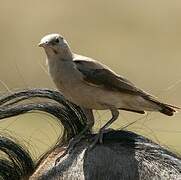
70, 147
72, 143
77, 139
99, 137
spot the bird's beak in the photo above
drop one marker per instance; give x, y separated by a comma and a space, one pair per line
41, 44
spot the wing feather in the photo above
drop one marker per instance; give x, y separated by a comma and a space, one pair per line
102, 76
97, 74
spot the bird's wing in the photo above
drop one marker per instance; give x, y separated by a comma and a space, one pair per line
97, 74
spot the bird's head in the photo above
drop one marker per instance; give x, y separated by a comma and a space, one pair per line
55, 45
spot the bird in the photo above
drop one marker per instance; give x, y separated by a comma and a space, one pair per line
94, 86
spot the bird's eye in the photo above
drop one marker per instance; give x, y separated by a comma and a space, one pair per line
57, 40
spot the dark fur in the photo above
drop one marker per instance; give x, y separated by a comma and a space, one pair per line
124, 155
19, 163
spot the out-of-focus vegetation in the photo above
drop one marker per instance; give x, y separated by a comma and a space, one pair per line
140, 40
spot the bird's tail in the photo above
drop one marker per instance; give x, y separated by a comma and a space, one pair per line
168, 109
164, 108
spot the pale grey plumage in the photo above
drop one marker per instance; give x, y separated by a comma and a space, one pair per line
92, 85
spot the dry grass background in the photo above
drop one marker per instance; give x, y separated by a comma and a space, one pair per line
138, 39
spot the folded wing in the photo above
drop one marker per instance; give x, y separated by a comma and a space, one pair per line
97, 74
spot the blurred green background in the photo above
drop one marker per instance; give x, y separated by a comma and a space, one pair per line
140, 40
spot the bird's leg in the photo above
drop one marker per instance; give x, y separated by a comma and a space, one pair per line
77, 138
90, 123
99, 136
90, 117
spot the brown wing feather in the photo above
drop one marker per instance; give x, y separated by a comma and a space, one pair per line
105, 78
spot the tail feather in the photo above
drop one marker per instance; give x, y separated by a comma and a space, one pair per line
167, 109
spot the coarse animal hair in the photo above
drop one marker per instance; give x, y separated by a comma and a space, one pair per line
124, 154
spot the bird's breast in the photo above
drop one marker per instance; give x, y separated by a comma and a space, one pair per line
66, 78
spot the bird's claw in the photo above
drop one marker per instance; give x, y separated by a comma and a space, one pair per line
69, 148
97, 139
76, 139
72, 143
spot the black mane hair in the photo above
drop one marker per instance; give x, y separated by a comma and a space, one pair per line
124, 154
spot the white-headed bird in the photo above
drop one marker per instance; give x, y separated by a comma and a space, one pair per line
94, 86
